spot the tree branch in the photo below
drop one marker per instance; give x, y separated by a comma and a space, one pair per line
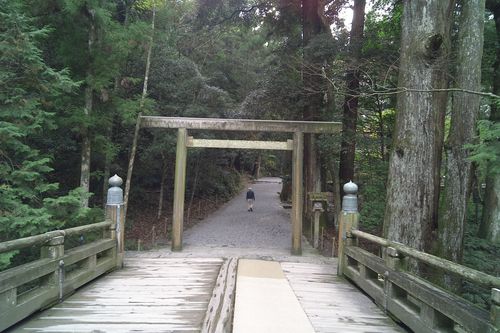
241, 10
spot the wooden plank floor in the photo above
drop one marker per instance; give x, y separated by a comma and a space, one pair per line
172, 294
331, 303
148, 295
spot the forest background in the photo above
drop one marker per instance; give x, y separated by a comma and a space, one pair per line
76, 74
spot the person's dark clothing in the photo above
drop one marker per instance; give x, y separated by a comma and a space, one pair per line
250, 195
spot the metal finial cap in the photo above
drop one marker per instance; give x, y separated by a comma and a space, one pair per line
115, 181
350, 188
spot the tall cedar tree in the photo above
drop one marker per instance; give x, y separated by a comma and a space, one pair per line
312, 27
29, 90
413, 180
490, 224
465, 110
350, 115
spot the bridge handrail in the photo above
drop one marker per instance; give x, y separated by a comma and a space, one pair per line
462, 271
39, 283
388, 278
25, 242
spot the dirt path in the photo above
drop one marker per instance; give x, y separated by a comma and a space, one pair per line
232, 231
268, 226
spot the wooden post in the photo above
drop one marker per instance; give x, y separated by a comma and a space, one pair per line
297, 190
179, 189
116, 213
395, 260
316, 229
54, 249
495, 308
348, 220
317, 209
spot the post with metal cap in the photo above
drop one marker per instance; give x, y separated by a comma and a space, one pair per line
115, 213
348, 220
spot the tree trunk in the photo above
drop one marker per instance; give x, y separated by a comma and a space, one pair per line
465, 109
105, 183
89, 100
86, 149
164, 171
193, 191
350, 115
413, 181
490, 224
138, 123
314, 88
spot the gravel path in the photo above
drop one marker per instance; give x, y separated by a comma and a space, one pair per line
232, 231
268, 226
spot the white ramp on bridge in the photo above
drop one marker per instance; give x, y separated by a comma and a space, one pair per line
265, 302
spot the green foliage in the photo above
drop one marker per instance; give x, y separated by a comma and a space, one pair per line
29, 90
487, 150
481, 255
372, 193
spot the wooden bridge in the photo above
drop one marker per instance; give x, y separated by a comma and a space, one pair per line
84, 281
97, 287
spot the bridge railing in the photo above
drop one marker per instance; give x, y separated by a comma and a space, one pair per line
38, 284
414, 301
58, 272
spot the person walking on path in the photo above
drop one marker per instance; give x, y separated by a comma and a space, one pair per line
250, 199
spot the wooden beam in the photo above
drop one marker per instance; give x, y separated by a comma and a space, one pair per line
297, 190
242, 124
179, 190
239, 144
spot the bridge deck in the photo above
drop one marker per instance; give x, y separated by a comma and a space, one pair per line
172, 294
148, 295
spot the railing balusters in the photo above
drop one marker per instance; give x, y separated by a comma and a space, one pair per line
418, 303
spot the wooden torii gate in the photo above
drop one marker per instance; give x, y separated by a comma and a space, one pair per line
298, 128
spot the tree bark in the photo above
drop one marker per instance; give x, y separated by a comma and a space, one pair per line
313, 87
350, 114
141, 106
490, 223
413, 181
89, 100
465, 110
164, 172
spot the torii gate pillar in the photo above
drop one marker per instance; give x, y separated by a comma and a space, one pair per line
297, 174
179, 189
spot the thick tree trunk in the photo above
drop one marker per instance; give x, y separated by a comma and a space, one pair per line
465, 109
490, 224
314, 88
138, 123
413, 181
350, 115
86, 151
